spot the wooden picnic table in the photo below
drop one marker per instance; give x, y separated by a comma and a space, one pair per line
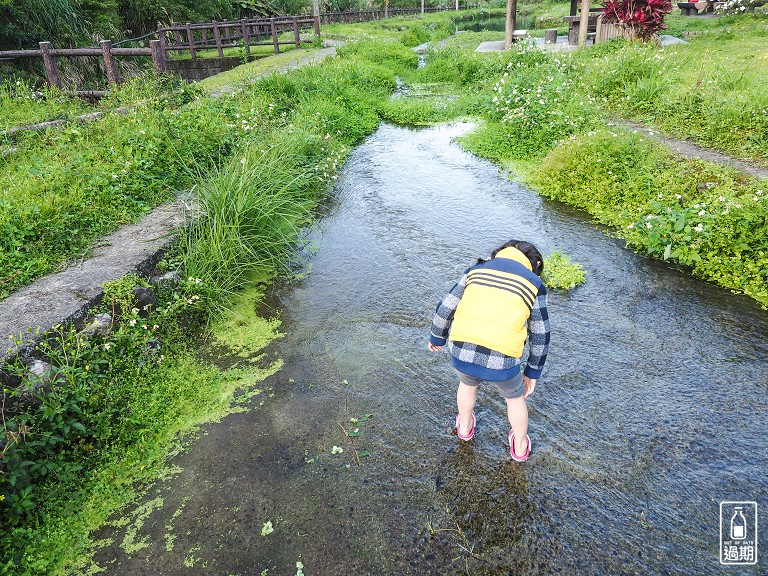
693, 8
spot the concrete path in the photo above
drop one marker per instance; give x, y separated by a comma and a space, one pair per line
305, 59
66, 296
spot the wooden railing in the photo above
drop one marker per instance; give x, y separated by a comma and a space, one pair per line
233, 33
367, 15
105, 50
197, 37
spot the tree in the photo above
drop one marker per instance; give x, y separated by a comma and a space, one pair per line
24, 23
143, 16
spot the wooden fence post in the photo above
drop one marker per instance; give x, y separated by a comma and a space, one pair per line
109, 62
296, 37
51, 72
163, 51
583, 23
274, 35
157, 55
204, 37
191, 41
217, 38
177, 35
246, 39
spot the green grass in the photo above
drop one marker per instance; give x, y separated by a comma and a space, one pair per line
253, 69
21, 104
713, 90
67, 187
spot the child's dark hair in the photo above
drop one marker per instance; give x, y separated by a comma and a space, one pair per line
530, 251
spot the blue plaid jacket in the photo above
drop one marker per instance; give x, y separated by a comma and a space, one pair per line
485, 363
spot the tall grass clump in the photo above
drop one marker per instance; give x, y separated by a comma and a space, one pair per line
423, 110
250, 213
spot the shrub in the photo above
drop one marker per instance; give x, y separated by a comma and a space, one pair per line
536, 101
642, 18
422, 110
739, 6
696, 214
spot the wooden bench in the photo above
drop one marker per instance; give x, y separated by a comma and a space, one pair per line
574, 23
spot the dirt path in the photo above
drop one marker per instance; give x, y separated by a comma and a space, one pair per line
686, 148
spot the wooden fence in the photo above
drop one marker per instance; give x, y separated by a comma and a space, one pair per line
188, 37
197, 37
233, 33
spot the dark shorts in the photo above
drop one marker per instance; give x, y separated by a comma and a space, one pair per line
512, 388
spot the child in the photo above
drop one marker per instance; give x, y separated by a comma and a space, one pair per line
486, 314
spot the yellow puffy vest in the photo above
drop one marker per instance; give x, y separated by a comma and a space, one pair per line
496, 304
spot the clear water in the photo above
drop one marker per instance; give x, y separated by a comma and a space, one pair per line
652, 409
493, 24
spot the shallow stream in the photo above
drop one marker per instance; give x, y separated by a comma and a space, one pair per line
653, 407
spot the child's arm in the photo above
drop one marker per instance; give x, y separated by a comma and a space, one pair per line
538, 336
441, 322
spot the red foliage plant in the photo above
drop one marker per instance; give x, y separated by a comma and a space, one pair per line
643, 18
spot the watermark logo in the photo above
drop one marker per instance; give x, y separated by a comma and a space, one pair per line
738, 533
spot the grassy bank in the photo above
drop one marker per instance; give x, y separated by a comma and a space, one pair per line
546, 116
122, 401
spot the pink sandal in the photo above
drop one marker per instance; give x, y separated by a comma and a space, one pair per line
471, 433
515, 457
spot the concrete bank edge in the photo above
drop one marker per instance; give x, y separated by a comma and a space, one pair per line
66, 297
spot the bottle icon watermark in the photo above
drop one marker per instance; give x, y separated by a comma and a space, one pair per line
738, 533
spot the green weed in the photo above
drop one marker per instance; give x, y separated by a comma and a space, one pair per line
560, 273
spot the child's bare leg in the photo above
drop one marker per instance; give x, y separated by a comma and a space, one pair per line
517, 412
465, 400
